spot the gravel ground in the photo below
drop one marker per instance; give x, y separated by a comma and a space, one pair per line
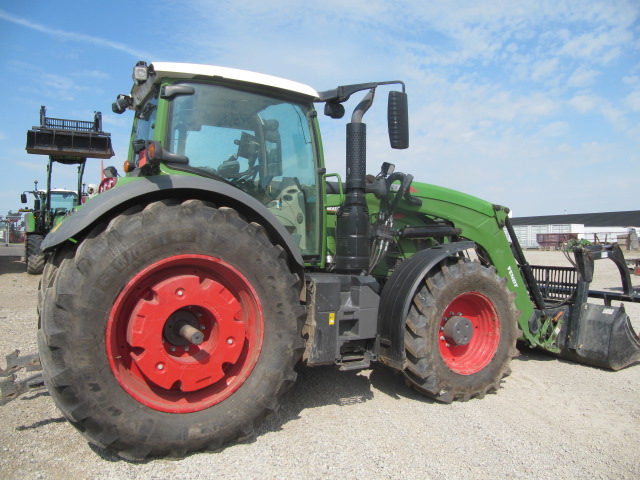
552, 419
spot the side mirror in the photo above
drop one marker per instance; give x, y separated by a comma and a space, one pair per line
110, 172
387, 169
121, 104
334, 110
398, 120
157, 154
23, 197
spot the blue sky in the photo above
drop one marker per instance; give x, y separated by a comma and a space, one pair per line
530, 104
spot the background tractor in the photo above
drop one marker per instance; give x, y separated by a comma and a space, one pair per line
176, 303
68, 142
49, 206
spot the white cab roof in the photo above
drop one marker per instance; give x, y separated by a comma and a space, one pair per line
190, 70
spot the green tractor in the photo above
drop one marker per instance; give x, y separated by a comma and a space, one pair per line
68, 142
176, 303
49, 206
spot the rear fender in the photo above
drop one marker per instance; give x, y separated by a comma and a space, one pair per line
397, 295
149, 189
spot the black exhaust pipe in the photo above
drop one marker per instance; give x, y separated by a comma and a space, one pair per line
352, 226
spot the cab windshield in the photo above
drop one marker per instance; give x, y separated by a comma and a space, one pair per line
65, 200
261, 144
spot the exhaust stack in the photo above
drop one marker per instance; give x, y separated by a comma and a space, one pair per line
353, 224
353, 237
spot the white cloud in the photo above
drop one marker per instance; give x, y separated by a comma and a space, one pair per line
614, 114
554, 130
34, 166
631, 80
91, 74
633, 101
493, 86
601, 48
584, 102
544, 69
47, 84
582, 77
72, 36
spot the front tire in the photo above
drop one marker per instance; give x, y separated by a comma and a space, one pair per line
460, 332
112, 353
34, 256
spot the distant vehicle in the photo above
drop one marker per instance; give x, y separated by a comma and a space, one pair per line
69, 142
47, 211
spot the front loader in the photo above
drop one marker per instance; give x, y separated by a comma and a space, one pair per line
67, 142
176, 304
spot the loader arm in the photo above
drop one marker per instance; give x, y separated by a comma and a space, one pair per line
483, 223
589, 333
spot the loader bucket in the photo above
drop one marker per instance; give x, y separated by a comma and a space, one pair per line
598, 334
604, 337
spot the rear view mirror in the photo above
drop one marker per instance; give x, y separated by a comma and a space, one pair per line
334, 110
398, 120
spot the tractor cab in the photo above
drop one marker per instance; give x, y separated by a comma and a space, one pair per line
260, 144
63, 201
263, 142
255, 132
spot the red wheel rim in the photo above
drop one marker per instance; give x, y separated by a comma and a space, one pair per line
164, 371
478, 353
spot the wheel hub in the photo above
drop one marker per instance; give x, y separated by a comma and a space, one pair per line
184, 328
458, 330
469, 333
185, 333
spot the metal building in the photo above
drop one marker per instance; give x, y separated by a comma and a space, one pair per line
605, 227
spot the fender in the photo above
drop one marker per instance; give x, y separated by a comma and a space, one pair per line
397, 295
147, 189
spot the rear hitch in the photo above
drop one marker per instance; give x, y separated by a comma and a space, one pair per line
10, 387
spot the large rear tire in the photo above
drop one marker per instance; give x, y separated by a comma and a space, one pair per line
34, 256
112, 353
460, 332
